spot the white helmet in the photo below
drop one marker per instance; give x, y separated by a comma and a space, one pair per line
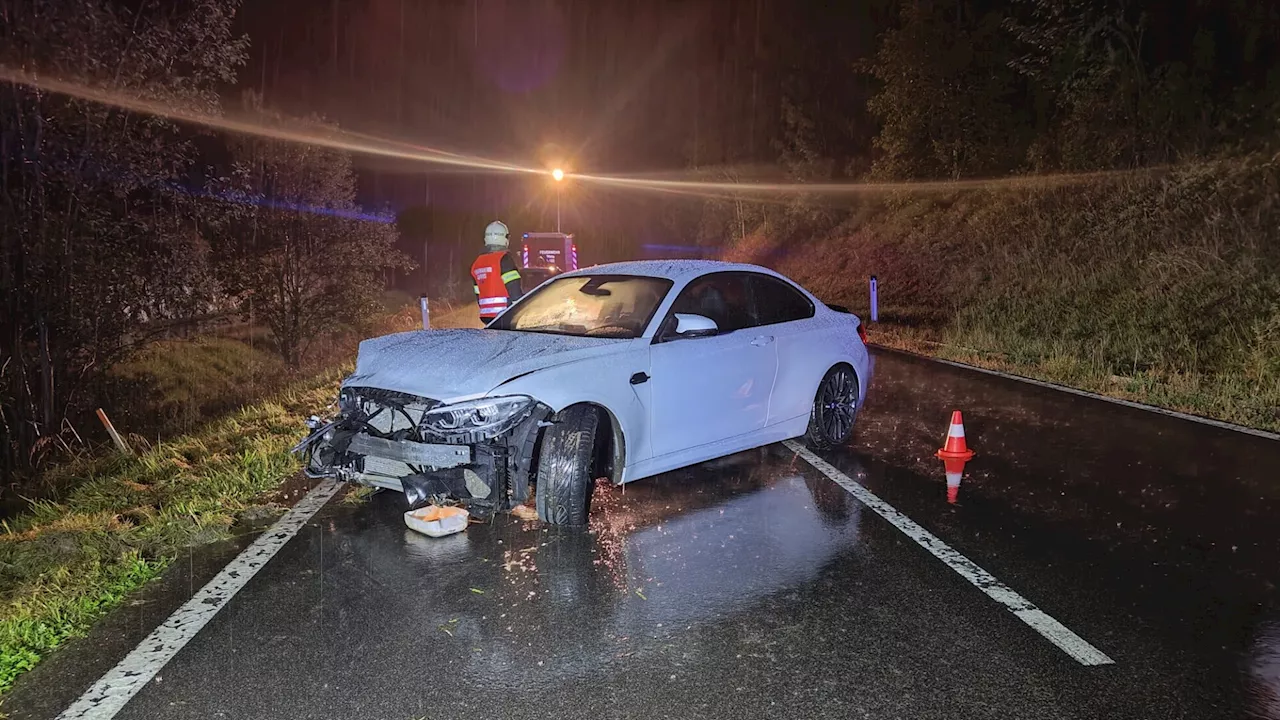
496, 235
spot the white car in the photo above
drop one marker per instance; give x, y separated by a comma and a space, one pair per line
619, 371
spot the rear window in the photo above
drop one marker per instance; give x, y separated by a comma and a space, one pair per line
777, 301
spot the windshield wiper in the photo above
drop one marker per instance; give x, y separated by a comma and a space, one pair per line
550, 330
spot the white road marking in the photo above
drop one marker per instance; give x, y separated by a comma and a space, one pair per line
109, 695
1094, 396
1026, 611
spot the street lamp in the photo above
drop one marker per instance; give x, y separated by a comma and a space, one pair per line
558, 176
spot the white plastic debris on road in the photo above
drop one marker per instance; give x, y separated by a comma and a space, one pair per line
437, 521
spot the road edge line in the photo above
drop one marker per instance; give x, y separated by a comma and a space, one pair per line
1220, 424
1055, 632
106, 697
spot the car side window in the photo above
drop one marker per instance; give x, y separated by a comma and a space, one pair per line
778, 302
720, 296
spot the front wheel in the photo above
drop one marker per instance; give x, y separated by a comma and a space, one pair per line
565, 459
835, 407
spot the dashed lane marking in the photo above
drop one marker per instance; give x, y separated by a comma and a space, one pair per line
110, 694
1026, 611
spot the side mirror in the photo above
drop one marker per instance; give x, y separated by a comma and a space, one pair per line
695, 326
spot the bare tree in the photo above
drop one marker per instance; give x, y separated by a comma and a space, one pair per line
309, 258
98, 234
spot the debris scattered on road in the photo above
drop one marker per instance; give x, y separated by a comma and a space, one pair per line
524, 512
477, 591
358, 494
436, 520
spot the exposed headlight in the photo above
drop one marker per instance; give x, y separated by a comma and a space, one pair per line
347, 401
485, 415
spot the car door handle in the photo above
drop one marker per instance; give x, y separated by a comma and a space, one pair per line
762, 340
639, 379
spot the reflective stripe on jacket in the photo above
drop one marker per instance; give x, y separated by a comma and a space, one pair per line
491, 280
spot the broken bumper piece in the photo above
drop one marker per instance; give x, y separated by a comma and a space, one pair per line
452, 482
422, 471
406, 452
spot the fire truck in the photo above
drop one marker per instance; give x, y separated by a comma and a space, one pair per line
545, 255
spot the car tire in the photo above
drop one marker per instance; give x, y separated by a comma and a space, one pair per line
835, 409
565, 458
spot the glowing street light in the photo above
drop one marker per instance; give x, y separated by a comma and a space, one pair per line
558, 176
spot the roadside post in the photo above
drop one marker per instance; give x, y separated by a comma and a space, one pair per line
119, 442
875, 310
426, 313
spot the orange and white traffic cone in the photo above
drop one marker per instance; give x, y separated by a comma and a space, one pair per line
955, 447
954, 454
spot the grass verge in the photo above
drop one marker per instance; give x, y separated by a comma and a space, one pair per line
176, 385
64, 564
113, 522
1226, 397
1158, 288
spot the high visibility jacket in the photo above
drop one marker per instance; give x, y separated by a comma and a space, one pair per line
497, 283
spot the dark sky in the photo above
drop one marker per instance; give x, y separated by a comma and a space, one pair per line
517, 78
596, 86
601, 85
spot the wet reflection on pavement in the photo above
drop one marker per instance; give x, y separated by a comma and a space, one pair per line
658, 559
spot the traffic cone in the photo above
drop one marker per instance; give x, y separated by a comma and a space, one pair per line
955, 447
954, 454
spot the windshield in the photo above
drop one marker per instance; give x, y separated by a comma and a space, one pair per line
610, 306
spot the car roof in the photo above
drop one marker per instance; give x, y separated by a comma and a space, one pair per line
674, 270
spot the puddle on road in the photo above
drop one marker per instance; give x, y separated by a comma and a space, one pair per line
658, 560
1264, 672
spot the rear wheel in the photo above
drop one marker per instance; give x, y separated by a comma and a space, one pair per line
835, 407
565, 460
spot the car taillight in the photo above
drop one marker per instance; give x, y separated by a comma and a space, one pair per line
862, 333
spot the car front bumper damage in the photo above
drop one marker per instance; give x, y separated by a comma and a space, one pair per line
379, 439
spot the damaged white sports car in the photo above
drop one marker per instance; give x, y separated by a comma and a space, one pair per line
620, 371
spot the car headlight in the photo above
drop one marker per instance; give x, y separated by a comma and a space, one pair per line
347, 401
485, 415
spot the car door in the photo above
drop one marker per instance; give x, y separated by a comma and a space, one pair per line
785, 314
707, 389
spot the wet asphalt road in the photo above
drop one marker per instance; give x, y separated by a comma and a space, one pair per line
756, 587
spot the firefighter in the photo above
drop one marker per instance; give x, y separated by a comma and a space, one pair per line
497, 281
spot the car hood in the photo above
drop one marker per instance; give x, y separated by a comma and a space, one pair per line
454, 364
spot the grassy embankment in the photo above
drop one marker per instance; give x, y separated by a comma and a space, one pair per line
1163, 289
115, 522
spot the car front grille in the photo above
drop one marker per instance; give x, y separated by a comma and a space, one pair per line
386, 411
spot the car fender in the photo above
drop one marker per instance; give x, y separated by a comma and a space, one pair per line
855, 355
605, 381
849, 350
807, 350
